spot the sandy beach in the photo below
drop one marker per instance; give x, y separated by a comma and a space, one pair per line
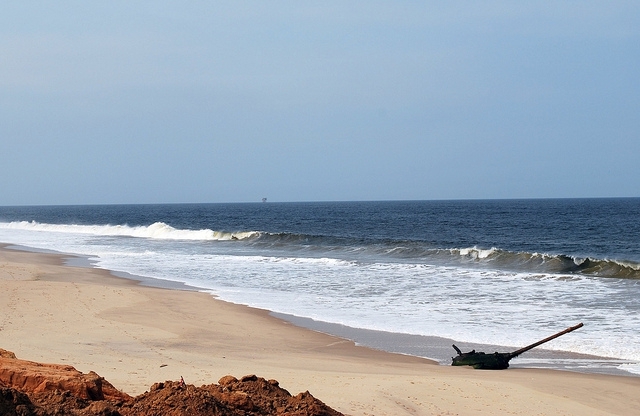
135, 335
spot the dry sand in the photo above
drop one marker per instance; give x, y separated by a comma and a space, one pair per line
134, 336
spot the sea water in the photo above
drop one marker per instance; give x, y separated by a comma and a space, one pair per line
499, 272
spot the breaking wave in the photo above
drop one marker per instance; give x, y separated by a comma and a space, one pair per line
157, 230
421, 252
550, 263
371, 250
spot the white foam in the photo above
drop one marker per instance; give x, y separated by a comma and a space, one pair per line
630, 367
476, 253
157, 230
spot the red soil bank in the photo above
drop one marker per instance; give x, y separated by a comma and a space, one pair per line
34, 389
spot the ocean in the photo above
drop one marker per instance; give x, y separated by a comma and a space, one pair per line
405, 276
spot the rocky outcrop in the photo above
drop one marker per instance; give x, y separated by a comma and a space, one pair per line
32, 377
33, 389
6, 354
14, 402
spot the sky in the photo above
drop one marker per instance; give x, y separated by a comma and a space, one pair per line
117, 102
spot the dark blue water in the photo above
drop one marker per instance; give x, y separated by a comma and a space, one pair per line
586, 236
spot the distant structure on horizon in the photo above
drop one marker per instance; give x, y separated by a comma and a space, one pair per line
264, 199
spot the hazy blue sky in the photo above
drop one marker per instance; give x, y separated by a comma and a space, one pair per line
202, 101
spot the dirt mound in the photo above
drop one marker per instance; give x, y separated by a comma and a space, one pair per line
34, 389
249, 396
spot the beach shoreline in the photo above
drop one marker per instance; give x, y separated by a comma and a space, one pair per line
433, 348
135, 335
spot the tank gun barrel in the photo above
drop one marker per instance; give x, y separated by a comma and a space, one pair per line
528, 347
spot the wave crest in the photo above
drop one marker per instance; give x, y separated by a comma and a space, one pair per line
361, 249
550, 263
157, 230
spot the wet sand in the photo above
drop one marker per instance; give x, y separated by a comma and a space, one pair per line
134, 335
